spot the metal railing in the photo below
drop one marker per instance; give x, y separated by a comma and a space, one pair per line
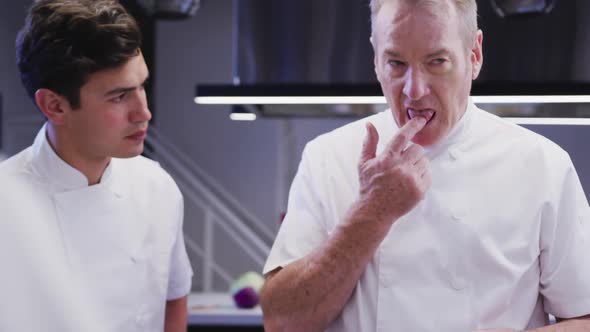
220, 209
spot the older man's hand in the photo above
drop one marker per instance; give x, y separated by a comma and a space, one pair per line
394, 182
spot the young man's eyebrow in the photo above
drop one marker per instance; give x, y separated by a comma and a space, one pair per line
120, 90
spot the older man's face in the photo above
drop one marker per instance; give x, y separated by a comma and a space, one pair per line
425, 66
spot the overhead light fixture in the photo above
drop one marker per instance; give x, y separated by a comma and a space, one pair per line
241, 113
242, 116
358, 100
317, 100
170, 9
246, 116
555, 99
288, 100
550, 121
286, 94
509, 8
301, 94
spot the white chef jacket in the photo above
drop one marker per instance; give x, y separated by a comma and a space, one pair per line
79, 257
501, 238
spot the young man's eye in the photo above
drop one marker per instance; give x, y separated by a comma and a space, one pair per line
119, 98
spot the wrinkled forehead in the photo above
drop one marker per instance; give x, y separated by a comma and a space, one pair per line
428, 22
433, 6
433, 12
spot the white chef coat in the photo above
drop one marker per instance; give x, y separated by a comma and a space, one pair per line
501, 238
106, 256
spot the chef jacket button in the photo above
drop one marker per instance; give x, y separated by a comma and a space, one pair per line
140, 319
455, 154
458, 215
386, 281
458, 283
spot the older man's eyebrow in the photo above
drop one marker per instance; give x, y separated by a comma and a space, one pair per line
438, 53
393, 53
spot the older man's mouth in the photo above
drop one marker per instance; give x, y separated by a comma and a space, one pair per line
427, 114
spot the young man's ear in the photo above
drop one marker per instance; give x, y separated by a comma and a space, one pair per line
54, 106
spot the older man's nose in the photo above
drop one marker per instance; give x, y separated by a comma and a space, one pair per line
416, 85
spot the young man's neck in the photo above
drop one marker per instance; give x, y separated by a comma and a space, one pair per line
91, 168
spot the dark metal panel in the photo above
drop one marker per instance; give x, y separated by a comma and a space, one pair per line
309, 41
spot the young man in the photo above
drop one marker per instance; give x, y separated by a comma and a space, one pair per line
446, 218
91, 231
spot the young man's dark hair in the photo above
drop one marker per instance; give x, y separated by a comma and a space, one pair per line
64, 41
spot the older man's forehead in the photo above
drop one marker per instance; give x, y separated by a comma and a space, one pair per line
399, 20
399, 9
432, 24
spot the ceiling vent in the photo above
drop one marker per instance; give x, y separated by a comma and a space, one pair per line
513, 8
170, 9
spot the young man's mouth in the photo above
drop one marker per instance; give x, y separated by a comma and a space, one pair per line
427, 114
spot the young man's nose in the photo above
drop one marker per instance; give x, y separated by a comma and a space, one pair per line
140, 111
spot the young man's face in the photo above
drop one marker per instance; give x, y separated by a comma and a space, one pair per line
113, 116
424, 65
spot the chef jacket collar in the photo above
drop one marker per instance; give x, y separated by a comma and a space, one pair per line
62, 176
452, 140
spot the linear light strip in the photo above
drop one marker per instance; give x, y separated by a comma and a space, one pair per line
549, 99
281, 100
551, 121
242, 116
520, 121
268, 100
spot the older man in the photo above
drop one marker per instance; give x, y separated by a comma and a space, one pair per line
433, 215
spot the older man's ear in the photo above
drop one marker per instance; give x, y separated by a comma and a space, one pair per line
477, 55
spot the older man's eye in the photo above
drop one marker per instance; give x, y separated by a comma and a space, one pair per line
395, 63
439, 61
